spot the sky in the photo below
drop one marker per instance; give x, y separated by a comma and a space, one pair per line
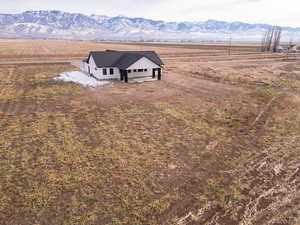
276, 12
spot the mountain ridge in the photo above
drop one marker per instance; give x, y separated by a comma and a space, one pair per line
55, 24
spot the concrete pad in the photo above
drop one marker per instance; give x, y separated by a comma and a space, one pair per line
141, 80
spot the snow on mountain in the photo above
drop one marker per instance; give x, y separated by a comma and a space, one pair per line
58, 24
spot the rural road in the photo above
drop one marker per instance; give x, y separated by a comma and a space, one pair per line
35, 62
216, 56
77, 62
224, 61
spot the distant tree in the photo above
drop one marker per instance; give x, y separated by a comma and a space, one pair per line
276, 39
271, 39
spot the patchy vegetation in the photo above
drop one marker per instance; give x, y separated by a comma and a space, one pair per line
246, 74
72, 155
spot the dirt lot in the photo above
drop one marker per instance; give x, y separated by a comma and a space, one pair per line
206, 145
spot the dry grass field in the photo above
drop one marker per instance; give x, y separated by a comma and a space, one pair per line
184, 150
246, 73
41, 50
61, 50
206, 145
208, 46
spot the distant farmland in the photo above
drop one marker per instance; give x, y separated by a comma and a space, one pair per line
47, 49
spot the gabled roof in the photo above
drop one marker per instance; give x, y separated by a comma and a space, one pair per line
122, 59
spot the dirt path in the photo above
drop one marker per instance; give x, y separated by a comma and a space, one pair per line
35, 62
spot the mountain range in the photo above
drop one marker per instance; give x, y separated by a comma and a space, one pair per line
54, 24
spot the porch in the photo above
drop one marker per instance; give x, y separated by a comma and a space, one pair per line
125, 74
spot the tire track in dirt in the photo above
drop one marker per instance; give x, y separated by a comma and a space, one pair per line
7, 106
21, 105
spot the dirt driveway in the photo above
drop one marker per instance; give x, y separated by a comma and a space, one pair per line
174, 88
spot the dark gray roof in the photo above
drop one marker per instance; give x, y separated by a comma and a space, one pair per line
122, 59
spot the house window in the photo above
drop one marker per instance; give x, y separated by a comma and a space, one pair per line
145, 70
111, 71
140, 70
104, 72
134, 70
129, 71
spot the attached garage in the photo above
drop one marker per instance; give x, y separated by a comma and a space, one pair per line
123, 65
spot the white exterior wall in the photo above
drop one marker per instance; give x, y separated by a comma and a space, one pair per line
85, 67
142, 63
98, 72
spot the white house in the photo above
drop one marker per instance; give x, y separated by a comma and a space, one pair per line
123, 65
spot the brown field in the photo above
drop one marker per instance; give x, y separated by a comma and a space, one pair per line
236, 46
209, 144
61, 50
